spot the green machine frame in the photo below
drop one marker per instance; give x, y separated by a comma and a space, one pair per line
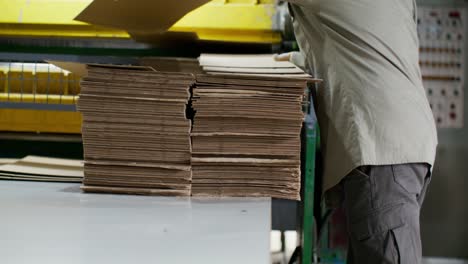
311, 249
310, 143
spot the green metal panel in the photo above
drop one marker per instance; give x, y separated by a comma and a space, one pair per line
311, 132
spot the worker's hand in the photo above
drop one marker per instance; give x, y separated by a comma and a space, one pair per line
294, 57
283, 56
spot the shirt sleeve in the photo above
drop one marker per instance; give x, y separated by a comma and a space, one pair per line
298, 59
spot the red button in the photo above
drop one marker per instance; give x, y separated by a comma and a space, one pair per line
453, 14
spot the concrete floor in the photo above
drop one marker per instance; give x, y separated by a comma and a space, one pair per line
278, 257
444, 261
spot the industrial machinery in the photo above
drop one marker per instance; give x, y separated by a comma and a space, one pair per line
36, 97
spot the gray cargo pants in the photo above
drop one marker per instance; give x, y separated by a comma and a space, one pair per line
382, 205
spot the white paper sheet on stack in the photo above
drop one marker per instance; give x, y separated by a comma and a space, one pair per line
135, 132
250, 65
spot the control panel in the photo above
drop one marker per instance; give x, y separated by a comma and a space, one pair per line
442, 37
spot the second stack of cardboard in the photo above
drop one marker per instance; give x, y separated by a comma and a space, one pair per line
135, 132
246, 136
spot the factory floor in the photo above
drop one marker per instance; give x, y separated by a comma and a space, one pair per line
278, 257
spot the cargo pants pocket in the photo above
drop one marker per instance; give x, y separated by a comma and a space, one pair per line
411, 177
408, 246
375, 238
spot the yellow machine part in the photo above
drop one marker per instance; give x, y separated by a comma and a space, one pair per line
223, 20
37, 98
37, 78
43, 121
38, 83
39, 121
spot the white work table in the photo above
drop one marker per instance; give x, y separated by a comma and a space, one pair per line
55, 223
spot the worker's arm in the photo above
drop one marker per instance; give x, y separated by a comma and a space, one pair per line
297, 58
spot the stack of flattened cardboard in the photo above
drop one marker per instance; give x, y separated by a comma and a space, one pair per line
246, 136
170, 64
135, 132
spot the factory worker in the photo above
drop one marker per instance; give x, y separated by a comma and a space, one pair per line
377, 130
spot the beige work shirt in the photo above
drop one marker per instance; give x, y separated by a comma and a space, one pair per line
372, 107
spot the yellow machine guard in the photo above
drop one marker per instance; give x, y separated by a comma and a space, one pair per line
222, 20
